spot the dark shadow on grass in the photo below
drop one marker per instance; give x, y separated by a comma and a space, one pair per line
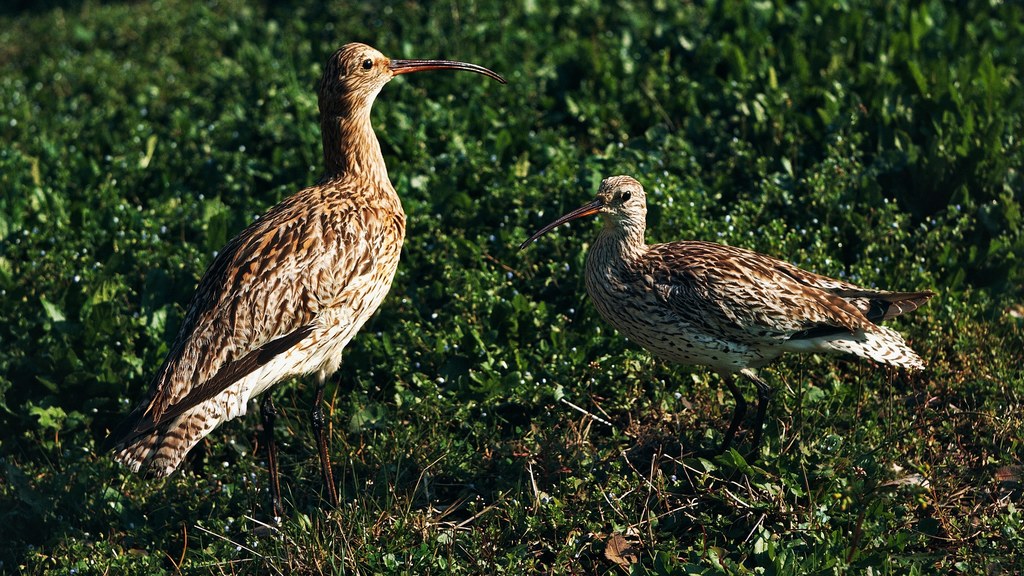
34, 7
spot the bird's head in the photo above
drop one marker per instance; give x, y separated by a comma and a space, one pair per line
355, 73
620, 200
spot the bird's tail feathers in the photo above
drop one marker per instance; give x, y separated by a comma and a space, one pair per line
879, 306
880, 344
160, 451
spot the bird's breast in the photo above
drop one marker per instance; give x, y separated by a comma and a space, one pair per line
353, 284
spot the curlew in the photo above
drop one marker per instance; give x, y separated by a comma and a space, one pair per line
731, 309
284, 297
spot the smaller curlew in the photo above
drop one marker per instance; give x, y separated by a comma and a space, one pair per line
285, 296
731, 309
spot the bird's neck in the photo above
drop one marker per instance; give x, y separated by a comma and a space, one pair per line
623, 241
351, 147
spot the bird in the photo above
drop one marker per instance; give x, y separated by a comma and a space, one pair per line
731, 309
287, 294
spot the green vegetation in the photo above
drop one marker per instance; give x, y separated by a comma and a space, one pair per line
858, 139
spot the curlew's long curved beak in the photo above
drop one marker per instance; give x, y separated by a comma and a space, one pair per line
407, 66
588, 209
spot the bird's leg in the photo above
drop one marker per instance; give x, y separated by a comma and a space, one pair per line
269, 413
737, 413
321, 441
764, 392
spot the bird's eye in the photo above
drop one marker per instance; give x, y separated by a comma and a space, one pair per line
626, 196
367, 64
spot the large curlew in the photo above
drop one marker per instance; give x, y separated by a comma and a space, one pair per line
731, 309
285, 296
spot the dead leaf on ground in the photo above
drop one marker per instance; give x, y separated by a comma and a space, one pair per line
621, 551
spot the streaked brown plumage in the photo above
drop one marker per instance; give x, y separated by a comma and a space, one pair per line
285, 296
732, 309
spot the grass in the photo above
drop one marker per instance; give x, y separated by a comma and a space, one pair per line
486, 420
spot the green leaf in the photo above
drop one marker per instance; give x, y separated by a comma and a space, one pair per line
51, 417
53, 312
918, 76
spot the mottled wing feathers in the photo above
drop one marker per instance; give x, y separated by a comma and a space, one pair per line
260, 297
746, 291
239, 305
229, 373
876, 305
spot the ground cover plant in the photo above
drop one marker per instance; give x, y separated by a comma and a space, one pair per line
486, 420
